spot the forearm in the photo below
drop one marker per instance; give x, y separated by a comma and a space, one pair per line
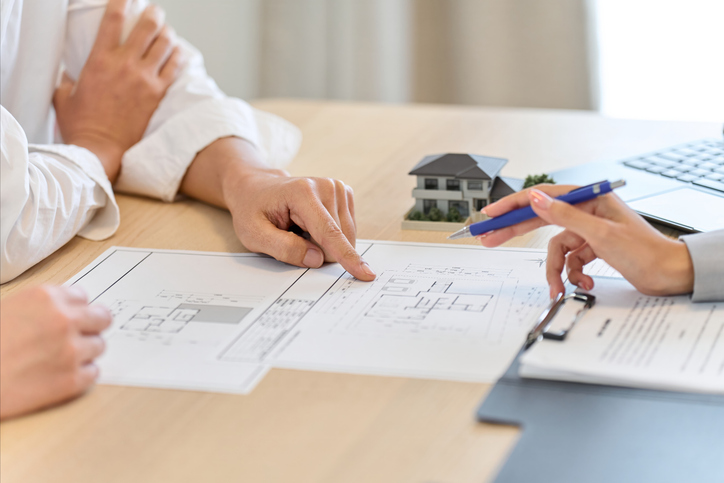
223, 166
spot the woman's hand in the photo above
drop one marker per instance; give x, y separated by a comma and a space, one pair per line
108, 109
601, 228
49, 338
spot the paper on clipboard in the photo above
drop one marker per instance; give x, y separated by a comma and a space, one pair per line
631, 339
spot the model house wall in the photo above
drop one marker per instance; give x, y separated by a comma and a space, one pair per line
468, 182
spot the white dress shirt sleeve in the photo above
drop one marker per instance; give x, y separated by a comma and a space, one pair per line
48, 194
193, 114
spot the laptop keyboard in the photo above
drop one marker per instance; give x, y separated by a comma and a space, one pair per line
700, 163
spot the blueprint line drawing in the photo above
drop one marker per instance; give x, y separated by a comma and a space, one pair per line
215, 321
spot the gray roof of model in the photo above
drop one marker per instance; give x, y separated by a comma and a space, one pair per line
465, 166
504, 186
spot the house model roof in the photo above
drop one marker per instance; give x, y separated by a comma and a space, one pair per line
504, 186
465, 166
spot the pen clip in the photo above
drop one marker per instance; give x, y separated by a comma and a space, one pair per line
588, 302
587, 186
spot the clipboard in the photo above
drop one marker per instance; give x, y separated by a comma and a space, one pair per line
576, 432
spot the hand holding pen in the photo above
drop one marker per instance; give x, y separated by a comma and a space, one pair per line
603, 227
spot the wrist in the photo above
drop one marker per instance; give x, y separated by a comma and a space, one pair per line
109, 155
677, 274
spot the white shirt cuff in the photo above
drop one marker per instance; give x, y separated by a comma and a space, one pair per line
106, 219
156, 165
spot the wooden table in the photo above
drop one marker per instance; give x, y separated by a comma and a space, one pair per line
299, 426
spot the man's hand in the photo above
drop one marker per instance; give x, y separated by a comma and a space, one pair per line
265, 203
49, 337
108, 109
601, 228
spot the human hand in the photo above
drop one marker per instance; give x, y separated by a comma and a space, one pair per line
265, 203
605, 228
49, 337
108, 109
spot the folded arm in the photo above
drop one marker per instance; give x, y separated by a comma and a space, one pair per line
50, 193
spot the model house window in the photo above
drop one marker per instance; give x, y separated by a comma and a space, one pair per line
475, 185
430, 183
462, 207
453, 185
490, 184
427, 205
480, 204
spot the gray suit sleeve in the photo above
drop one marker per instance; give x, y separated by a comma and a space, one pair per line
707, 253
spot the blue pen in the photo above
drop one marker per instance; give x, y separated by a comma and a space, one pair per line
511, 218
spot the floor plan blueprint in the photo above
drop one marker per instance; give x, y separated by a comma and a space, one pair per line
218, 321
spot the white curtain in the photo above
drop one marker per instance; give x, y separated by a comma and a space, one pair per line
532, 53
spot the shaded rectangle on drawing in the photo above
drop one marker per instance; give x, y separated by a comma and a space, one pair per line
221, 314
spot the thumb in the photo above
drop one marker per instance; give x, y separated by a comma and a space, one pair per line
562, 214
63, 91
285, 246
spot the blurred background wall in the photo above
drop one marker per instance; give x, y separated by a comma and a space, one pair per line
625, 57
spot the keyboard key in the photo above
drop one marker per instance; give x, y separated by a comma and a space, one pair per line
657, 161
687, 177
672, 156
687, 152
708, 165
698, 172
683, 168
672, 173
657, 169
714, 176
709, 183
718, 159
720, 170
637, 163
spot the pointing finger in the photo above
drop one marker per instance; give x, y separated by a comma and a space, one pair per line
320, 224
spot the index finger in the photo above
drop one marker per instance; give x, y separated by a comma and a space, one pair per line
325, 231
520, 199
109, 32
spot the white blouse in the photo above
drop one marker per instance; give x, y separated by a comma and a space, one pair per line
49, 191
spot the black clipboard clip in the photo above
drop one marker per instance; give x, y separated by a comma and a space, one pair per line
546, 317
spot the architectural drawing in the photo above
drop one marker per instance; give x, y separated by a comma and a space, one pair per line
218, 322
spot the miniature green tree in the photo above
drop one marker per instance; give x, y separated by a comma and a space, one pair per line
534, 179
435, 214
453, 215
417, 216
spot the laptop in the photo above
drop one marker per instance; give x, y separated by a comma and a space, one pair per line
681, 186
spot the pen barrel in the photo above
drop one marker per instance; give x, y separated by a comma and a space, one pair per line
502, 221
522, 214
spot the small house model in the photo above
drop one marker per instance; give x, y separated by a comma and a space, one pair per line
462, 181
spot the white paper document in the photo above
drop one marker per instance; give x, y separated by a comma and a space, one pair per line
219, 321
631, 339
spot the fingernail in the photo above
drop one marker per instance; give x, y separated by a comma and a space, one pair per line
540, 199
313, 258
483, 235
367, 269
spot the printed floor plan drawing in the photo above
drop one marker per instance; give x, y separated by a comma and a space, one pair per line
218, 322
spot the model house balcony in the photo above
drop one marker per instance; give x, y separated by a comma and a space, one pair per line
421, 194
